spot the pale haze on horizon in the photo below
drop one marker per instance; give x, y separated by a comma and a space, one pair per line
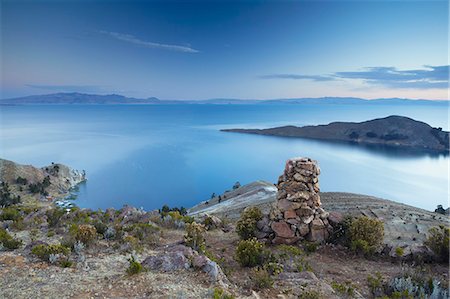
218, 49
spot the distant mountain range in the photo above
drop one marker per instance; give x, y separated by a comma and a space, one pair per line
115, 99
393, 130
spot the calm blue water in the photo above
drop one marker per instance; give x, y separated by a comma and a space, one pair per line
153, 155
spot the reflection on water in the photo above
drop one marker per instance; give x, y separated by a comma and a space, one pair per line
389, 151
152, 155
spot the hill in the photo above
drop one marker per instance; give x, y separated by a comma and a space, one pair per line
391, 131
115, 99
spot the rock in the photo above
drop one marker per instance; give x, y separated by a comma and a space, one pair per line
288, 241
262, 223
308, 219
295, 222
282, 229
285, 205
199, 261
317, 235
324, 216
290, 214
261, 235
213, 270
335, 218
303, 229
167, 262
305, 211
317, 224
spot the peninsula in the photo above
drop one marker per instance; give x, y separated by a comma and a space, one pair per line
393, 130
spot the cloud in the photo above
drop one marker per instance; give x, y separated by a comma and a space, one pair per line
428, 78
297, 77
67, 88
134, 40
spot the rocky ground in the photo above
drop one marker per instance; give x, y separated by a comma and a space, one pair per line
100, 268
404, 225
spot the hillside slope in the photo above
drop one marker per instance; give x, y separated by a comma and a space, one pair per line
404, 225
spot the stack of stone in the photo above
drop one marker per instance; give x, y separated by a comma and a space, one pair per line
297, 213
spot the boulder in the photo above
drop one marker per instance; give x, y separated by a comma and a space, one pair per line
334, 218
168, 262
282, 229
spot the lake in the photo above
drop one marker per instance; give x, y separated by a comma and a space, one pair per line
148, 156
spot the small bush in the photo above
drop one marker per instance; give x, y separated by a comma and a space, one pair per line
250, 253
376, 284
86, 233
438, 241
274, 268
195, 236
346, 289
134, 267
261, 279
43, 251
100, 227
65, 263
144, 232
362, 246
221, 294
54, 215
292, 258
310, 247
10, 213
366, 234
246, 225
311, 294
8, 241
399, 251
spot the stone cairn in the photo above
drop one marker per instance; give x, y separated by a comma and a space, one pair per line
297, 213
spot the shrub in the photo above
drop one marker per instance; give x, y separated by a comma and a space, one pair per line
250, 253
366, 234
54, 215
44, 251
110, 233
376, 284
399, 251
134, 267
261, 279
346, 289
65, 263
311, 294
195, 236
438, 241
246, 225
144, 232
21, 181
362, 246
310, 247
100, 227
8, 241
341, 232
10, 214
6, 197
85, 233
221, 294
293, 258
274, 268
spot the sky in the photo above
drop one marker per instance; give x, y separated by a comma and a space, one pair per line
224, 49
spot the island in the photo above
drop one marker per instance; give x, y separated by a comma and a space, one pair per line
398, 131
